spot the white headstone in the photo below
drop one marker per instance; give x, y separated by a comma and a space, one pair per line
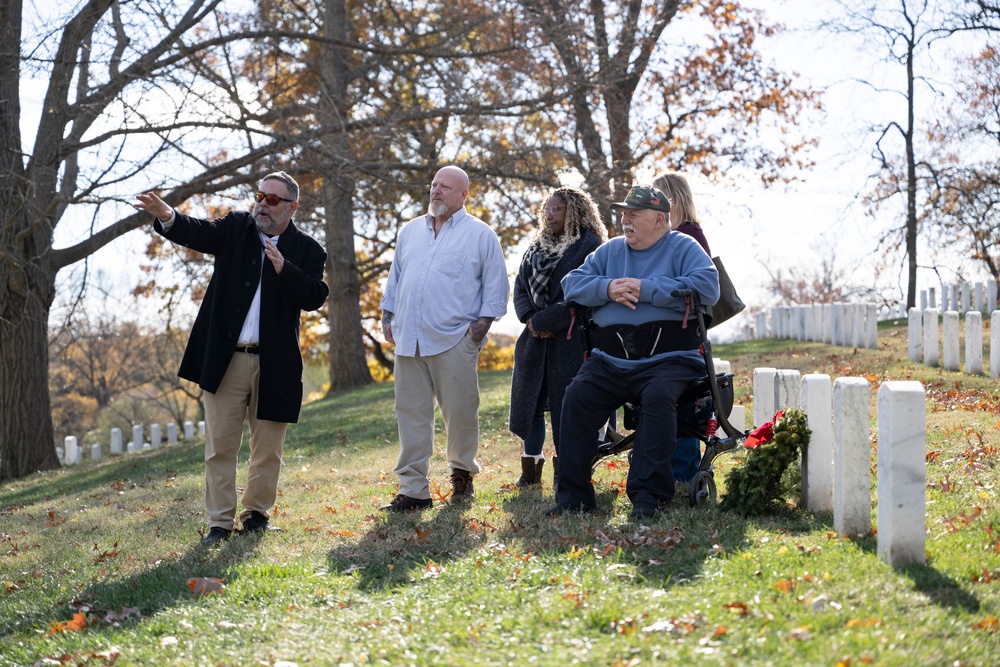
723, 366
944, 298
848, 336
991, 296
995, 343
137, 439
738, 418
871, 326
800, 322
747, 331
852, 502
931, 337
95, 452
154, 435
923, 299
915, 335
902, 473
71, 451
965, 303
132, 447
974, 343
931, 297
827, 322
817, 458
858, 333
201, 428
760, 324
837, 329
788, 390
776, 322
978, 297
188, 430
171, 433
950, 341
764, 383
116, 440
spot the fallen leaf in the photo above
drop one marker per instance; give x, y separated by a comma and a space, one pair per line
205, 585
77, 624
989, 624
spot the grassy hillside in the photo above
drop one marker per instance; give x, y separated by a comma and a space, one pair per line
94, 559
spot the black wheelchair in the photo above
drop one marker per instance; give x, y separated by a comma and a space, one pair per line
702, 411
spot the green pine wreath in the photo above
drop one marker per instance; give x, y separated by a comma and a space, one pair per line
766, 478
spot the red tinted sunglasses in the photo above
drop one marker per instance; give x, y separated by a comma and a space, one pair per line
271, 200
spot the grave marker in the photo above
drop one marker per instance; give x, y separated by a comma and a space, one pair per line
950, 341
817, 458
930, 337
974, 343
852, 501
902, 473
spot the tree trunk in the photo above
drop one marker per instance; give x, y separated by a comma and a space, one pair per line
348, 365
26, 439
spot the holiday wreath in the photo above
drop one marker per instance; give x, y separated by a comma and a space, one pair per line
766, 478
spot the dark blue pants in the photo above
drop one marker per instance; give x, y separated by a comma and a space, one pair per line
600, 388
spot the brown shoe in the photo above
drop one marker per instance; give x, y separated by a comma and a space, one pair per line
403, 503
462, 489
531, 472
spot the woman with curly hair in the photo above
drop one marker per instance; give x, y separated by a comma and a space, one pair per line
545, 357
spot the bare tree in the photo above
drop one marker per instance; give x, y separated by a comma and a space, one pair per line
121, 111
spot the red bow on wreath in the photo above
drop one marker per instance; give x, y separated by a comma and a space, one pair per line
763, 433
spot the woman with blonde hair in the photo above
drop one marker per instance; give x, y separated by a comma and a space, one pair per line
545, 357
683, 216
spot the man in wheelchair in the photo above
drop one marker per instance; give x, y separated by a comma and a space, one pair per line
646, 350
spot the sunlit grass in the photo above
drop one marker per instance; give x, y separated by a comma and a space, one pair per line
497, 582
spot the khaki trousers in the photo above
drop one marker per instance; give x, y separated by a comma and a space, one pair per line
225, 412
450, 378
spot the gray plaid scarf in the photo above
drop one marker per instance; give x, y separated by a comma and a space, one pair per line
542, 266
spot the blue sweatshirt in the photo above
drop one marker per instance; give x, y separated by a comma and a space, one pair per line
674, 262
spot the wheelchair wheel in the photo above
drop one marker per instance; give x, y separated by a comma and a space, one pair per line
701, 488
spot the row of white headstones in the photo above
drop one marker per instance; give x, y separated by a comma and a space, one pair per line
923, 340
72, 453
856, 324
836, 470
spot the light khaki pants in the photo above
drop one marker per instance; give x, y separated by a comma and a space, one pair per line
450, 378
225, 411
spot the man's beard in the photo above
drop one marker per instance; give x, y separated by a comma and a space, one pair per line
437, 208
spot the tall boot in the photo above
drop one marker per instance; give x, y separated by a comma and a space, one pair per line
531, 472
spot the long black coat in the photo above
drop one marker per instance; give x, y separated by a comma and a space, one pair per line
545, 362
236, 245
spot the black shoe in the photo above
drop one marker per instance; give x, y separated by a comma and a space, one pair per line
255, 523
216, 534
403, 503
641, 512
561, 509
462, 490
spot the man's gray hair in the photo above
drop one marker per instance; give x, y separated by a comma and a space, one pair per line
293, 187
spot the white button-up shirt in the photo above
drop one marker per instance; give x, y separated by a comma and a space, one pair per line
438, 285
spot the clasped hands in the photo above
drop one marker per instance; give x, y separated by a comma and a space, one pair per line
625, 291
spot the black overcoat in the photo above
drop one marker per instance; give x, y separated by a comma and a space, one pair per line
545, 362
236, 246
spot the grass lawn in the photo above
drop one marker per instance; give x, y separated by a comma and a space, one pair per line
95, 559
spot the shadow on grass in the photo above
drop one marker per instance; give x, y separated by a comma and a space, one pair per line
187, 458
939, 588
399, 547
157, 588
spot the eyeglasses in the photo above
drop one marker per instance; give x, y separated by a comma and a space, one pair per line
271, 200
553, 209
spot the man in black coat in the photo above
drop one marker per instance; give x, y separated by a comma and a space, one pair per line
244, 346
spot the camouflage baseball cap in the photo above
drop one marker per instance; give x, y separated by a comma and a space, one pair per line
645, 196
